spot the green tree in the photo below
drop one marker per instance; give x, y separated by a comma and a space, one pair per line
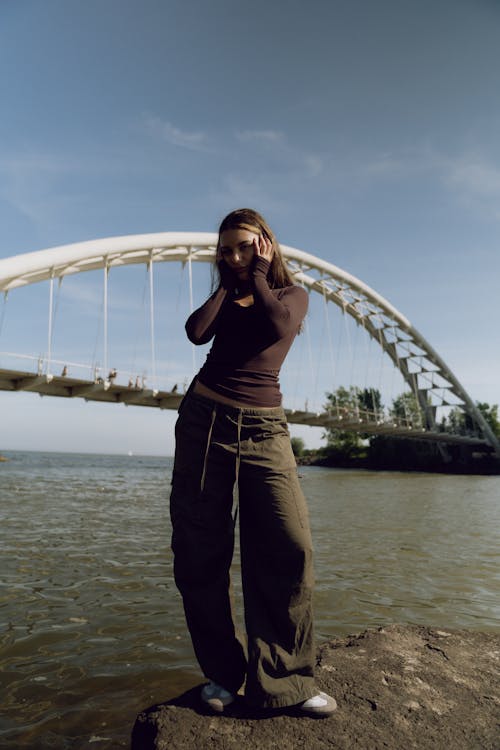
490, 413
343, 403
343, 399
349, 404
369, 399
454, 422
406, 408
460, 423
298, 446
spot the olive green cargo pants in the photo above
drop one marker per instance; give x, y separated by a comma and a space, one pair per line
216, 446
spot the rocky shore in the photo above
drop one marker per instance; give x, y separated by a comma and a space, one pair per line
397, 688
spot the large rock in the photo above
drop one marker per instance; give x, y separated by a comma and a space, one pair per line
397, 688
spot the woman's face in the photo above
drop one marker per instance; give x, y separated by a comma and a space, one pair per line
236, 248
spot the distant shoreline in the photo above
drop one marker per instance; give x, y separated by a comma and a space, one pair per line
81, 453
485, 465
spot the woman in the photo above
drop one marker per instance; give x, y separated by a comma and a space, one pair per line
232, 430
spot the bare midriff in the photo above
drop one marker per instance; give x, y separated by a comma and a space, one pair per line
202, 390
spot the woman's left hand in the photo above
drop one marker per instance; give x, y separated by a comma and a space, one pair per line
263, 248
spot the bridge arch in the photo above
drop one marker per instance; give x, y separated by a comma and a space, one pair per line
425, 372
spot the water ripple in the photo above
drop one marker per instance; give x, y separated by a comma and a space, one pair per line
91, 626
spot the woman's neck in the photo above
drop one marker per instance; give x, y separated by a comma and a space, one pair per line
243, 288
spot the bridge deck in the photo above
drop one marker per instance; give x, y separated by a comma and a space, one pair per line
106, 391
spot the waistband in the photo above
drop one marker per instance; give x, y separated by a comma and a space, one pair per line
264, 411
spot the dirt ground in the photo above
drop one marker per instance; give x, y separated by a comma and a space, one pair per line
397, 688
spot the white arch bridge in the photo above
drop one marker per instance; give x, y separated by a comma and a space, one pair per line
400, 350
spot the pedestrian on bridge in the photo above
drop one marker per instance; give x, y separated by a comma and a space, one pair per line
231, 431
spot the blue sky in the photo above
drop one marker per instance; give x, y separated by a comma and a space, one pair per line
367, 133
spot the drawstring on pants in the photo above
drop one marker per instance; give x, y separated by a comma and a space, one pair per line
238, 452
238, 458
207, 447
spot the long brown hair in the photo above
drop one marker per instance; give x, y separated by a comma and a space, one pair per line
278, 275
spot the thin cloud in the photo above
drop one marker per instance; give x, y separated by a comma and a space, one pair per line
167, 131
238, 191
44, 186
388, 165
28, 179
276, 143
475, 176
263, 136
473, 179
242, 188
314, 165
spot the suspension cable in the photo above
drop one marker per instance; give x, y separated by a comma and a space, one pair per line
309, 350
352, 353
309, 357
393, 370
296, 356
329, 335
139, 325
191, 307
368, 388
340, 342
382, 362
94, 363
105, 318
152, 323
318, 364
180, 286
49, 333
4, 308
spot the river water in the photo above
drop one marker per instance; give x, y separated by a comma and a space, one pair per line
91, 626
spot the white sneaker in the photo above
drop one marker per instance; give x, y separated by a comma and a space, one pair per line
216, 697
319, 706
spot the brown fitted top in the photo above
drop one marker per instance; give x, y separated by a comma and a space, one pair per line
250, 343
